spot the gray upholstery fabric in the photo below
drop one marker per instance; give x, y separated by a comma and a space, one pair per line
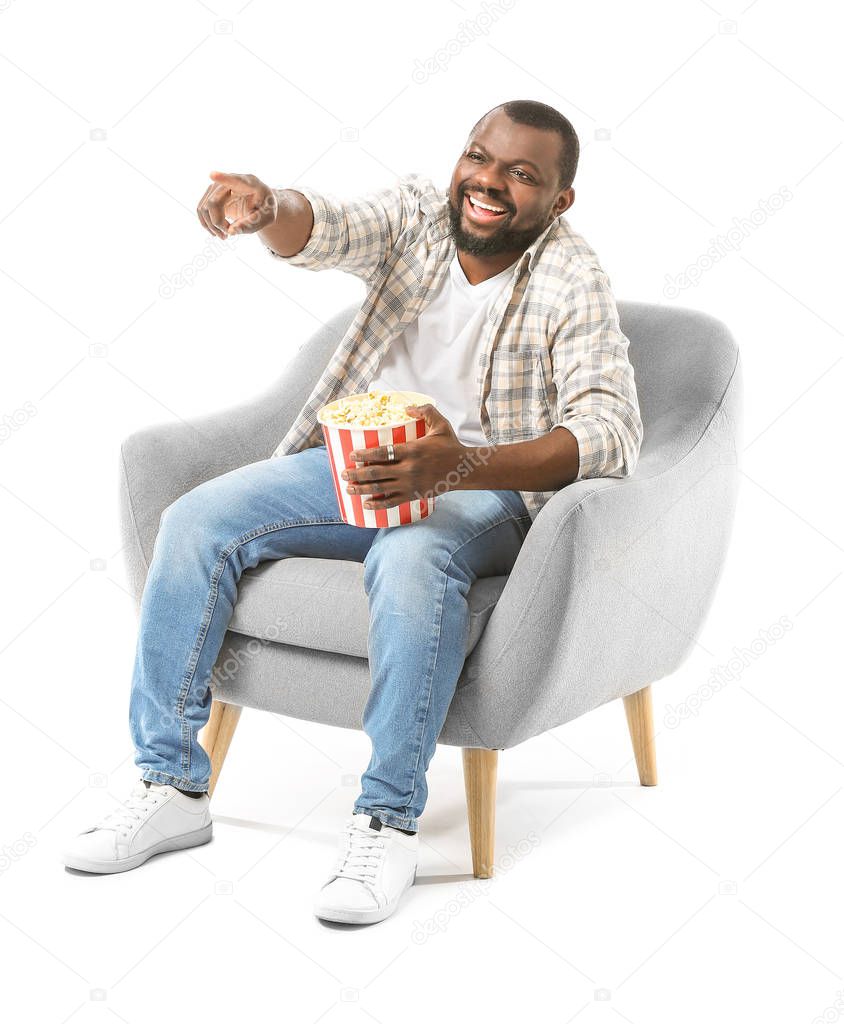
318, 686
609, 591
321, 603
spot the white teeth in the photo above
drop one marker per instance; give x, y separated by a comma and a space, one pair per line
477, 202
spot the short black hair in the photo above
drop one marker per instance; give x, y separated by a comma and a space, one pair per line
540, 115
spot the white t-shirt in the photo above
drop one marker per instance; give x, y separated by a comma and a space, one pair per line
438, 353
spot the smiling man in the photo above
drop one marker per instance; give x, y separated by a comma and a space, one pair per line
485, 298
508, 320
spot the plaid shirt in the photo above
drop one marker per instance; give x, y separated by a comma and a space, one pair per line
553, 353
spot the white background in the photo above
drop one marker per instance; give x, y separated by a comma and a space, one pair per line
717, 893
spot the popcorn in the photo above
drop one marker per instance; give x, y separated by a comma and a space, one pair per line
371, 409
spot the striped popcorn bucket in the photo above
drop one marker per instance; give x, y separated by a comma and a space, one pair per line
339, 441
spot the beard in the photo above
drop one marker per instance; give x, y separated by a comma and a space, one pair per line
505, 239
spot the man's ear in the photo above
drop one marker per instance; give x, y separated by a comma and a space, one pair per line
564, 201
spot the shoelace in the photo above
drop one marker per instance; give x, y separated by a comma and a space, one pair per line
362, 855
124, 818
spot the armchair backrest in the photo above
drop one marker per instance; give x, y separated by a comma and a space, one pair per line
686, 368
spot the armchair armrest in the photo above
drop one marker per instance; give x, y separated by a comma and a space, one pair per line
165, 460
610, 588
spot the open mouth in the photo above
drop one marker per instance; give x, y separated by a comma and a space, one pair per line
481, 211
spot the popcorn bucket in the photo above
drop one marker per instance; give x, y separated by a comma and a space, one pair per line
340, 440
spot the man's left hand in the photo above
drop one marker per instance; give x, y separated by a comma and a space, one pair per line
420, 467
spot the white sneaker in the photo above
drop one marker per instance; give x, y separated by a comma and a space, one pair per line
374, 867
150, 821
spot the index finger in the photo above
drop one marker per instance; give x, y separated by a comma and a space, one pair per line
228, 179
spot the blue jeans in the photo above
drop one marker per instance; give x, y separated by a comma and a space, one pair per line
416, 579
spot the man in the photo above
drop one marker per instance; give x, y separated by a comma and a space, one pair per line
481, 296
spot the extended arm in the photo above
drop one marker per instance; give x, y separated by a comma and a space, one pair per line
353, 235
292, 227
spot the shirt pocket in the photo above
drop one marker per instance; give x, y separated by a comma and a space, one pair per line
520, 391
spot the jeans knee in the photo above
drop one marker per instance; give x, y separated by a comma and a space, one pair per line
179, 514
190, 522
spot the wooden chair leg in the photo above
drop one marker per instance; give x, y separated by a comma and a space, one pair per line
217, 735
640, 721
480, 771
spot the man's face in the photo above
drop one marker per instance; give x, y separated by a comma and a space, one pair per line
515, 168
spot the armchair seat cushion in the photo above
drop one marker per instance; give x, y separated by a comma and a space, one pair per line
321, 603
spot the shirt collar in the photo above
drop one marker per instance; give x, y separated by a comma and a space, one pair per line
551, 232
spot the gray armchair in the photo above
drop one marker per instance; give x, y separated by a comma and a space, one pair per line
607, 595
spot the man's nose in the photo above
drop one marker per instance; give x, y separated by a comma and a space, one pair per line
491, 178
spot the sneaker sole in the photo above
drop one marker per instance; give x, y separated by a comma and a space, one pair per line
183, 842
344, 916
